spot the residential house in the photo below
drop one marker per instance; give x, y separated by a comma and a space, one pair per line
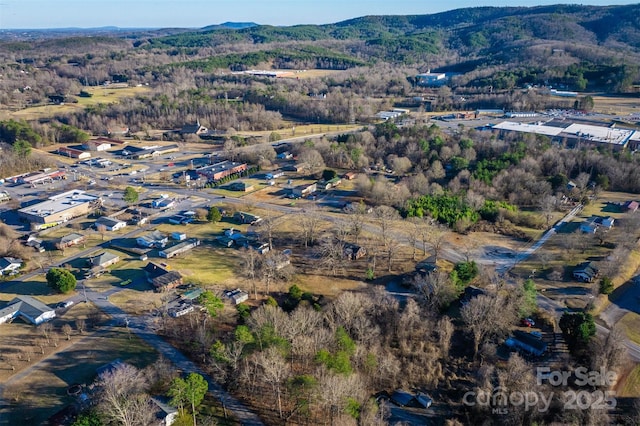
110, 224
237, 296
241, 186
304, 190
165, 414
69, 240
27, 308
155, 239
179, 248
161, 277
104, 260
180, 310
259, 246
35, 242
9, 265
354, 251
179, 219
163, 203
589, 226
526, 342
427, 265
246, 218
350, 175
405, 398
193, 129
284, 156
471, 292
585, 272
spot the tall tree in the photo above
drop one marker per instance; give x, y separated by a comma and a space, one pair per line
61, 280
190, 390
130, 195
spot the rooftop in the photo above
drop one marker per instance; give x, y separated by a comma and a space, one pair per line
59, 203
538, 129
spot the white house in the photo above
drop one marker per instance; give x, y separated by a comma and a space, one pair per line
110, 223
29, 309
9, 265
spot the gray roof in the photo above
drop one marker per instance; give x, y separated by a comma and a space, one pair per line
70, 238
8, 261
103, 258
25, 306
107, 221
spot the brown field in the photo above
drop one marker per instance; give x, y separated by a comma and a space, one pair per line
104, 95
616, 105
306, 74
629, 385
42, 393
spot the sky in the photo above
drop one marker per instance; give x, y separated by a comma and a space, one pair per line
199, 13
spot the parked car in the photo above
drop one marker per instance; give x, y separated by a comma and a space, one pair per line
528, 322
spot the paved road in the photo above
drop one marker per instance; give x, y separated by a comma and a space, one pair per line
140, 326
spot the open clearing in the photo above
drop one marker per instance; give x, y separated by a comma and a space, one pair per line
101, 95
617, 105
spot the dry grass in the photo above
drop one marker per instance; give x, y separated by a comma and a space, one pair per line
616, 104
36, 286
630, 324
312, 73
630, 384
19, 336
43, 392
100, 95
136, 302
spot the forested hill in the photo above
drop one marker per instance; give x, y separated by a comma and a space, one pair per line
474, 28
579, 47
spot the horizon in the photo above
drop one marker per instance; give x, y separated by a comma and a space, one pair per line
134, 14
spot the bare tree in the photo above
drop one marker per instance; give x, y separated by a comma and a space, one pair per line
122, 396
309, 222
274, 371
434, 235
445, 331
436, 290
356, 213
102, 230
250, 265
67, 330
332, 255
486, 316
81, 325
45, 330
267, 227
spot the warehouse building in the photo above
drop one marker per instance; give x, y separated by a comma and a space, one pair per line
60, 208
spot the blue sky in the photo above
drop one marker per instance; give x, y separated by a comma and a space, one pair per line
199, 13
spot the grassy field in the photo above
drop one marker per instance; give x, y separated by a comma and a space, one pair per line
630, 323
101, 95
43, 392
36, 286
616, 104
631, 384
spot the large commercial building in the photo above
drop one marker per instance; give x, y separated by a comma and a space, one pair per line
221, 170
60, 208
